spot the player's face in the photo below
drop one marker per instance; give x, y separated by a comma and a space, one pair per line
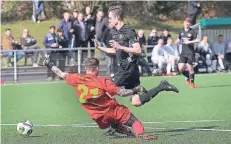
8, 32
113, 21
220, 39
187, 24
52, 30
75, 14
160, 42
80, 17
170, 41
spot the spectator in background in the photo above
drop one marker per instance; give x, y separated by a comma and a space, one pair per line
158, 56
81, 35
228, 57
172, 56
62, 43
90, 21
153, 37
28, 42
205, 50
100, 28
142, 62
194, 8
9, 43
218, 53
38, 9
75, 15
66, 25
51, 42
165, 36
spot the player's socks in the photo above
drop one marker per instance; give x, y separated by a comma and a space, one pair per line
163, 86
192, 77
186, 74
138, 128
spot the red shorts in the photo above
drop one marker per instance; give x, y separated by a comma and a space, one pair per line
118, 114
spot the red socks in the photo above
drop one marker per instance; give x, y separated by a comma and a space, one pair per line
138, 128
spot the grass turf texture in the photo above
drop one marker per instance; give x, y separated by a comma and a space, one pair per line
57, 104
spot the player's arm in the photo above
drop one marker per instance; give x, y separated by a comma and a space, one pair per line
177, 42
195, 39
107, 50
127, 92
47, 62
135, 45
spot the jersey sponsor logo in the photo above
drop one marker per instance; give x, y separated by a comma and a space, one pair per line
189, 34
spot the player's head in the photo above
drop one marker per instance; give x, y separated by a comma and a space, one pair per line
187, 22
115, 15
92, 66
165, 32
80, 17
66, 16
140, 33
8, 32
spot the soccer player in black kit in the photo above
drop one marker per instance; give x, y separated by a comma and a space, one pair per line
126, 47
187, 37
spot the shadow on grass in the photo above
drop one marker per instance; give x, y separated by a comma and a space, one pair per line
212, 86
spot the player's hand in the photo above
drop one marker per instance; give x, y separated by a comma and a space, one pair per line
186, 41
115, 45
46, 61
96, 44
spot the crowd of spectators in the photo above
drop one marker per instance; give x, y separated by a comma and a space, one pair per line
81, 29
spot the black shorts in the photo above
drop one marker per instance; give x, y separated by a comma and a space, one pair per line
128, 77
187, 58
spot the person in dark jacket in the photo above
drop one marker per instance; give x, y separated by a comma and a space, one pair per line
90, 21
194, 9
142, 62
62, 43
165, 36
28, 42
51, 42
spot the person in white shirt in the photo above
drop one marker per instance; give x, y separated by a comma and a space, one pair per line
218, 53
158, 55
205, 50
171, 55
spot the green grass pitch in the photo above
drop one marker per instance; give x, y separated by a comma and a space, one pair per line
197, 116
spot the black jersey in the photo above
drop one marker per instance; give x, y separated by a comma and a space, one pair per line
190, 35
125, 36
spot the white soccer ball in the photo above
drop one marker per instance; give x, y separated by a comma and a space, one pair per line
25, 128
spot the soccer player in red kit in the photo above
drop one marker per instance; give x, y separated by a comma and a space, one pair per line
96, 95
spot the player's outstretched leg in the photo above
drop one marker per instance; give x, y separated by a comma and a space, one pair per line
145, 97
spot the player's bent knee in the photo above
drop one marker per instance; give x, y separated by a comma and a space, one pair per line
136, 101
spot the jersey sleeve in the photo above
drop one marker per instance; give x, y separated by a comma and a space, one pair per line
132, 37
72, 79
110, 87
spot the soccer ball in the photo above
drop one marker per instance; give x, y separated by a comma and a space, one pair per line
24, 128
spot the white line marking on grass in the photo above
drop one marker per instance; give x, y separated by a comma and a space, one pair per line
189, 129
170, 121
95, 126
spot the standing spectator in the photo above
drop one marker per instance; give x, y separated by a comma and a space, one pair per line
9, 43
90, 21
38, 9
142, 62
218, 53
67, 25
153, 37
165, 36
29, 43
75, 15
205, 50
100, 27
158, 56
81, 35
194, 8
51, 42
172, 56
62, 43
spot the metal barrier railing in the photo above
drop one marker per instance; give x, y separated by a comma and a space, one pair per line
78, 49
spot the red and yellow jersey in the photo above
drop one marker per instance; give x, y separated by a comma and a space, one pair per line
91, 91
